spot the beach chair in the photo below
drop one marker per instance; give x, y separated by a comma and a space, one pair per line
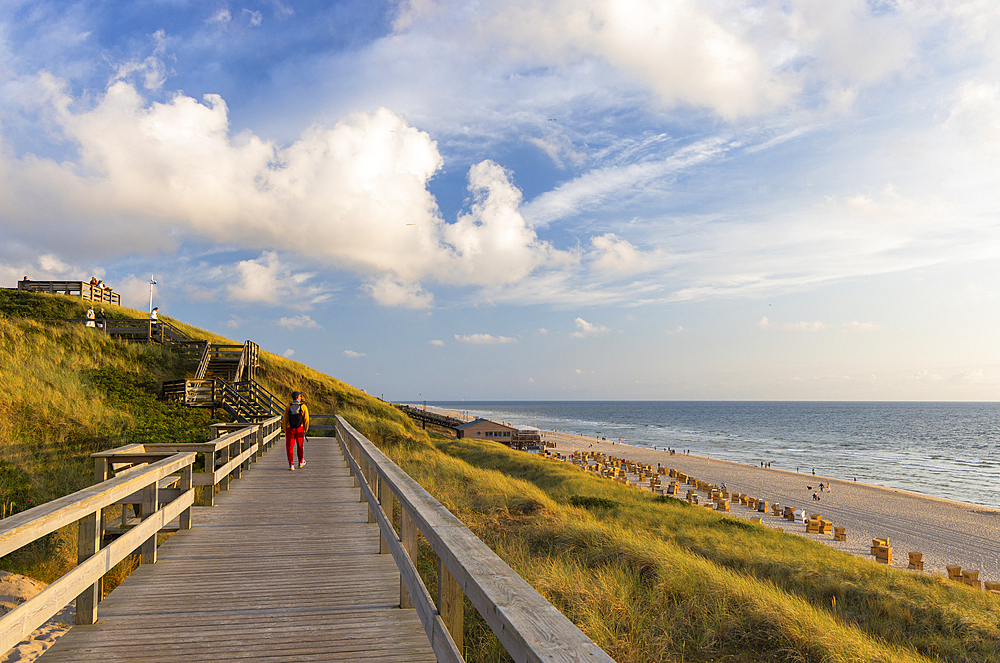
971, 578
798, 516
761, 506
916, 561
776, 509
883, 554
722, 505
992, 586
840, 534
954, 572
757, 519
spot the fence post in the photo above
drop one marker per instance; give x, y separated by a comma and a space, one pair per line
385, 498
88, 543
208, 497
150, 502
451, 604
186, 483
408, 536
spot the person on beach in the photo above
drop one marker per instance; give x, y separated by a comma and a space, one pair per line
295, 421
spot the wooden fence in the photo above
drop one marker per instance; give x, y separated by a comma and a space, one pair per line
82, 289
85, 506
232, 449
158, 480
527, 625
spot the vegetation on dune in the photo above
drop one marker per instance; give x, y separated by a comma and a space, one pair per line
652, 579
648, 578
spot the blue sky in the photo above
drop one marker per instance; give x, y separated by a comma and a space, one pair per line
586, 199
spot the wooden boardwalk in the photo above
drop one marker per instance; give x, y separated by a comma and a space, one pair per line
285, 567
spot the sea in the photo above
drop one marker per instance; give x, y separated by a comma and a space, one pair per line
948, 450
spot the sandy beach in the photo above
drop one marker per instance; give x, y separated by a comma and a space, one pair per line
946, 532
15, 590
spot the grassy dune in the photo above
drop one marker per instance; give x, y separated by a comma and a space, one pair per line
649, 579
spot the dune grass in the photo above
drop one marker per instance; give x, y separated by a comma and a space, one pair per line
657, 580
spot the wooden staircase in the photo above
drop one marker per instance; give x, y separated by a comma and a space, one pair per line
226, 379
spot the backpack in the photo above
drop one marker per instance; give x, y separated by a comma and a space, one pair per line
295, 417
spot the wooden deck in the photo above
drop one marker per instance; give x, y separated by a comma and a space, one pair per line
285, 567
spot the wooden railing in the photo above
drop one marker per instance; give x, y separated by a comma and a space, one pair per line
526, 624
82, 289
225, 455
140, 486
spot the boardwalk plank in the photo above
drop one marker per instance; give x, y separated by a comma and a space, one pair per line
285, 567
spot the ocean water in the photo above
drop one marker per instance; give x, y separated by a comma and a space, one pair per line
949, 450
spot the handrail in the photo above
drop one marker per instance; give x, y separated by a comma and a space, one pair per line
226, 455
526, 624
85, 506
206, 355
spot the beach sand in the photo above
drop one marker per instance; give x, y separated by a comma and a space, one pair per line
16, 589
946, 532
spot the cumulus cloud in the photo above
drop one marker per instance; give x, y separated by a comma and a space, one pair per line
298, 322
437, 342
268, 280
288, 353
391, 292
614, 255
484, 339
354, 355
585, 328
353, 196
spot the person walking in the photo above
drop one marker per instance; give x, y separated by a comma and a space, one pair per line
296, 423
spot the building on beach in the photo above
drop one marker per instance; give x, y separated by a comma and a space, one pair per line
490, 430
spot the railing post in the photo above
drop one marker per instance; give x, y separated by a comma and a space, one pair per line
451, 604
224, 457
208, 497
186, 483
408, 536
150, 502
384, 499
88, 543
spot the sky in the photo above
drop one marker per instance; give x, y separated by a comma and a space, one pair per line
527, 199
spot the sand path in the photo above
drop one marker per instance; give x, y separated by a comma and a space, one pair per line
946, 532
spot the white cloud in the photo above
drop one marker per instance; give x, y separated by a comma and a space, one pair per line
816, 326
614, 255
354, 355
861, 326
288, 353
298, 322
235, 322
543, 330
585, 328
254, 18
353, 197
220, 17
735, 59
390, 292
437, 342
484, 339
269, 281
975, 114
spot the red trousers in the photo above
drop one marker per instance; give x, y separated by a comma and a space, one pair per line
293, 437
